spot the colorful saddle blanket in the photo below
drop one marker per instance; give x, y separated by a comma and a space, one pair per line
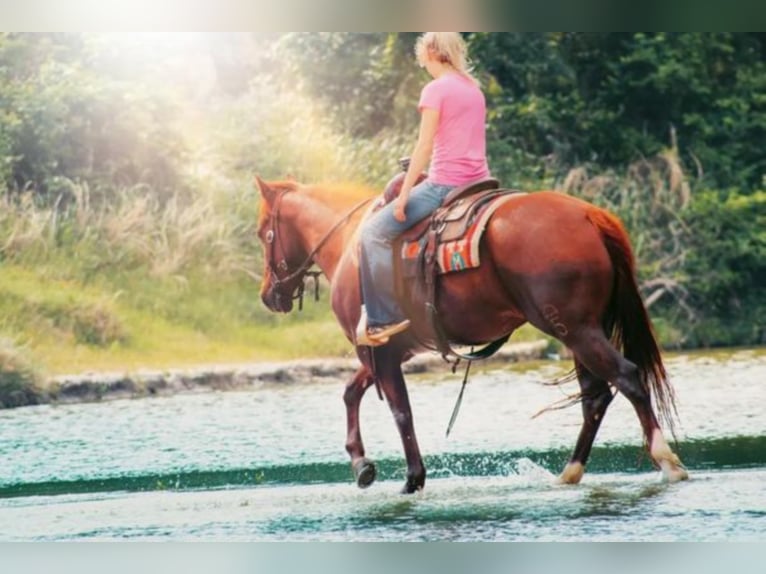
452, 237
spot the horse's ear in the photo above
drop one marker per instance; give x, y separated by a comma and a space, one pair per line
267, 192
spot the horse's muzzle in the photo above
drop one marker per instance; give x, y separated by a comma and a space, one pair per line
277, 302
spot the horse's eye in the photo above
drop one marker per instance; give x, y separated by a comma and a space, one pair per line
269, 236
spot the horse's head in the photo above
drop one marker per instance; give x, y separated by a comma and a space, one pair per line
284, 256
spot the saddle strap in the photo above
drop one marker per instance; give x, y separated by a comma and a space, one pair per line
431, 272
446, 350
427, 278
440, 337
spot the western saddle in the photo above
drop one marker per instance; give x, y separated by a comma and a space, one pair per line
417, 261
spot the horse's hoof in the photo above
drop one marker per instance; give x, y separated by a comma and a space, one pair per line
364, 472
673, 473
572, 473
409, 488
413, 485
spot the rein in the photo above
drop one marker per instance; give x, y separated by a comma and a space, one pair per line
273, 236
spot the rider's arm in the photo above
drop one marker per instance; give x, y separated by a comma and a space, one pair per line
429, 122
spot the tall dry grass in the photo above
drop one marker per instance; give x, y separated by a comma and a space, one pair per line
647, 186
209, 225
133, 228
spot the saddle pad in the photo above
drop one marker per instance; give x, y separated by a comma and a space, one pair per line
457, 254
410, 257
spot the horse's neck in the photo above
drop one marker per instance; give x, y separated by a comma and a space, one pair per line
313, 223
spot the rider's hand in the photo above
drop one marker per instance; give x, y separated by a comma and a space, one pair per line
400, 204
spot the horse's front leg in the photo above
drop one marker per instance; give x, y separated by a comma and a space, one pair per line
364, 469
388, 371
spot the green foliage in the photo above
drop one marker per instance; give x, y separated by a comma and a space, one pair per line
280, 134
63, 120
726, 267
20, 379
371, 90
701, 254
127, 208
609, 99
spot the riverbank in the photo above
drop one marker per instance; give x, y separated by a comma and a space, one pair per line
102, 386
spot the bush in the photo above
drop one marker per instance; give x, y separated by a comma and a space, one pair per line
20, 382
725, 267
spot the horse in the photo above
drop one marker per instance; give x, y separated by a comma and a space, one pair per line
558, 262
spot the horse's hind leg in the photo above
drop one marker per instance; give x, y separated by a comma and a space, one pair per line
364, 469
596, 396
594, 351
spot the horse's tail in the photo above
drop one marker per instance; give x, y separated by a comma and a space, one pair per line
627, 322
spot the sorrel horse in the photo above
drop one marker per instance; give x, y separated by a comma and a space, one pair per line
555, 261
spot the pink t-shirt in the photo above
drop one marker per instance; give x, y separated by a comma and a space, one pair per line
459, 155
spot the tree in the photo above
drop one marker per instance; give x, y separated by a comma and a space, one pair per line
63, 121
609, 99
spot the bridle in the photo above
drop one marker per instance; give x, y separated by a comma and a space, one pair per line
277, 270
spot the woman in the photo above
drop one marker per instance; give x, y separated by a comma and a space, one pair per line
452, 139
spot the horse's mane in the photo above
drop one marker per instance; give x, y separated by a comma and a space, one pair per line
339, 195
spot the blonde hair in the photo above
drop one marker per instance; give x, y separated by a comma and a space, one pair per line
446, 47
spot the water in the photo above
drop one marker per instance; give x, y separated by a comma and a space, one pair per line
269, 464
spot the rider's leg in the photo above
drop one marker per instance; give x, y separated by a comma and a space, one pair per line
376, 261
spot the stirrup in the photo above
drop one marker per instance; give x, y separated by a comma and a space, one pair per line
381, 335
364, 340
385, 332
361, 336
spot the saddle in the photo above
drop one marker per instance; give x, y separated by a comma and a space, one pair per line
450, 237
446, 242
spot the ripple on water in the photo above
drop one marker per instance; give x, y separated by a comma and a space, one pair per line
270, 464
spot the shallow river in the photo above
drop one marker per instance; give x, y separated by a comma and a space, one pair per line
270, 464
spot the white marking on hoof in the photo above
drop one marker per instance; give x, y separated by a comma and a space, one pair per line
672, 469
672, 472
572, 473
659, 448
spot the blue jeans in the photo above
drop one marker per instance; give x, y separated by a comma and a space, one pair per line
376, 256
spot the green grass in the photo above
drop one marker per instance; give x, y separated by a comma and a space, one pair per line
134, 321
141, 323
129, 278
